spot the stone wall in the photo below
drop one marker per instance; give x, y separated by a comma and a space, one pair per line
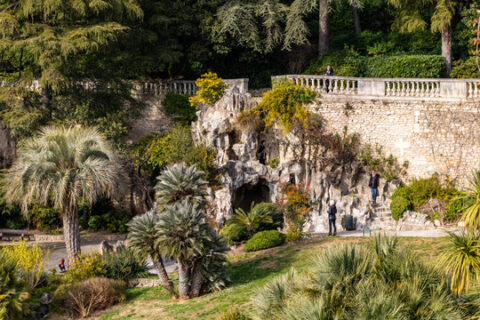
431, 136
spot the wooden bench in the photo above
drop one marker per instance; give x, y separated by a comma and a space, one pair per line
10, 234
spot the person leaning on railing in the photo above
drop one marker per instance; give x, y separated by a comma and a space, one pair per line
328, 72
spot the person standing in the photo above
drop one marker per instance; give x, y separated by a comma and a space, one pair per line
373, 184
261, 152
328, 72
332, 217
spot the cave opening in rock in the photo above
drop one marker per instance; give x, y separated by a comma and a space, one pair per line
248, 193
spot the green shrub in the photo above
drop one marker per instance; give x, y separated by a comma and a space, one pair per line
85, 267
94, 294
125, 266
233, 314
419, 191
111, 221
398, 206
13, 293
457, 205
265, 239
46, 219
387, 166
345, 63
465, 69
407, 66
233, 232
272, 210
178, 107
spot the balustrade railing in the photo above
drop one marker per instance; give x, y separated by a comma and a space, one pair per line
451, 89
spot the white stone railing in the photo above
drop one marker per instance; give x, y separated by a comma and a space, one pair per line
187, 86
449, 89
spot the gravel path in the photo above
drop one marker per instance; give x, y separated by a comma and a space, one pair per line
436, 233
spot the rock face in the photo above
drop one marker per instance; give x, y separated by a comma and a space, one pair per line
246, 180
7, 147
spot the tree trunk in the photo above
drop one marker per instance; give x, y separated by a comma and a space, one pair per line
356, 20
447, 46
197, 279
45, 97
183, 280
162, 274
323, 27
71, 234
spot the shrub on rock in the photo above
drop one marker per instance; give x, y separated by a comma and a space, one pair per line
398, 206
264, 240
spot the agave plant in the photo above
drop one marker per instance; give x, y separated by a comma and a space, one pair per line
178, 183
462, 260
141, 237
63, 165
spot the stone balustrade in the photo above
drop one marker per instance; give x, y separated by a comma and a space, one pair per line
412, 89
187, 86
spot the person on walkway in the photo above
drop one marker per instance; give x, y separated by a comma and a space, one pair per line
373, 184
61, 266
332, 212
261, 152
328, 72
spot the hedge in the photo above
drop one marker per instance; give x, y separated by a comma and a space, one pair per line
404, 66
465, 69
264, 240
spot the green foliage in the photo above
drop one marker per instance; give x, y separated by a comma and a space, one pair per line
181, 183
85, 267
462, 260
465, 69
14, 294
178, 107
46, 219
380, 281
419, 191
345, 63
177, 146
114, 221
258, 215
233, 232
459, 203
285, 104
398, 206
471, 215
264, 240
210, 89
401, 66
272, 210
11, 215
125, 265
387, 166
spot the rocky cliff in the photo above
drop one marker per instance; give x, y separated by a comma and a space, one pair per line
246, 180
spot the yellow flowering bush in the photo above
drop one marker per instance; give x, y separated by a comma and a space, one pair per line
210, 89
30, 261
85, 267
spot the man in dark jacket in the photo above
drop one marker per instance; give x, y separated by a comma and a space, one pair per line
332, 211
373, 184
328, 72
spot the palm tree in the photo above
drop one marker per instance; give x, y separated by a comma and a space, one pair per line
178, 183
183, 234
63, 165
251, 220
462, 260
141, 237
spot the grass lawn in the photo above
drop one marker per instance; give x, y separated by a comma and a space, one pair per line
249, 272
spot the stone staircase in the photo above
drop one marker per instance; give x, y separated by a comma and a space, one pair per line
381, 218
